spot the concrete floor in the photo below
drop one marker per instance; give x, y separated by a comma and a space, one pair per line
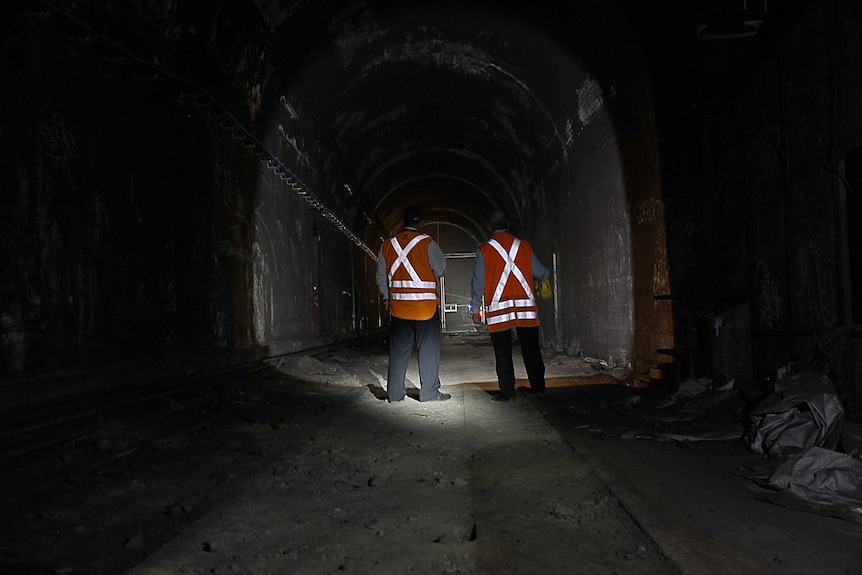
694, 499
311, 470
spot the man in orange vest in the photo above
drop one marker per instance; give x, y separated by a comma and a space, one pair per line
503, 275
408, 266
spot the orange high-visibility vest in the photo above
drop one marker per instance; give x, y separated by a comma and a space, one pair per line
509, 298
412, 284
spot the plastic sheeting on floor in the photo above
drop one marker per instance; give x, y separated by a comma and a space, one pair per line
814, 456
801, 425
820, 481
803, 410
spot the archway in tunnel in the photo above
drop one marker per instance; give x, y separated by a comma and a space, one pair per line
459, 245
467, 108
445, 197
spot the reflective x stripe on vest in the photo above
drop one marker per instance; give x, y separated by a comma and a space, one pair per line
415, 282
510, 310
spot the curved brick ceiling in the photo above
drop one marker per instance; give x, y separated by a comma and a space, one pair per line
459, 106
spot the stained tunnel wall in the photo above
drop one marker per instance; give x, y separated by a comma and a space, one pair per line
140, 223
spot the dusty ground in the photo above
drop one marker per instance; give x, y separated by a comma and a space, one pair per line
308, 469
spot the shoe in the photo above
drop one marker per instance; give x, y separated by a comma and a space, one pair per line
499, 397
529, 391
439, 397
396, 400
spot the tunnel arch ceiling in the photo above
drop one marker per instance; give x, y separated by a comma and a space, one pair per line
464, 108
441, 94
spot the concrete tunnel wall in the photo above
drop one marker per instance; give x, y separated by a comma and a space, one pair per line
153, 172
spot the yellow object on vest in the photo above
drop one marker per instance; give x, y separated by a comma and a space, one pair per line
545, 289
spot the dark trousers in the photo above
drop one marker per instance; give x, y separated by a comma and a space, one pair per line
404, 334
530, 352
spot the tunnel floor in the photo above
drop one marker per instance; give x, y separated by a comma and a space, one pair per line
308, 469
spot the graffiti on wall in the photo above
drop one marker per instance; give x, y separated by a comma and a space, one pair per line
648, 211
264, 236
262, 295
233, 206
769, 301
58, 141
301, 158
814, 292
569, 139
590, 100
693, 223
660, 274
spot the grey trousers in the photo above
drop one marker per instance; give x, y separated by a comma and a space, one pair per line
404, 335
